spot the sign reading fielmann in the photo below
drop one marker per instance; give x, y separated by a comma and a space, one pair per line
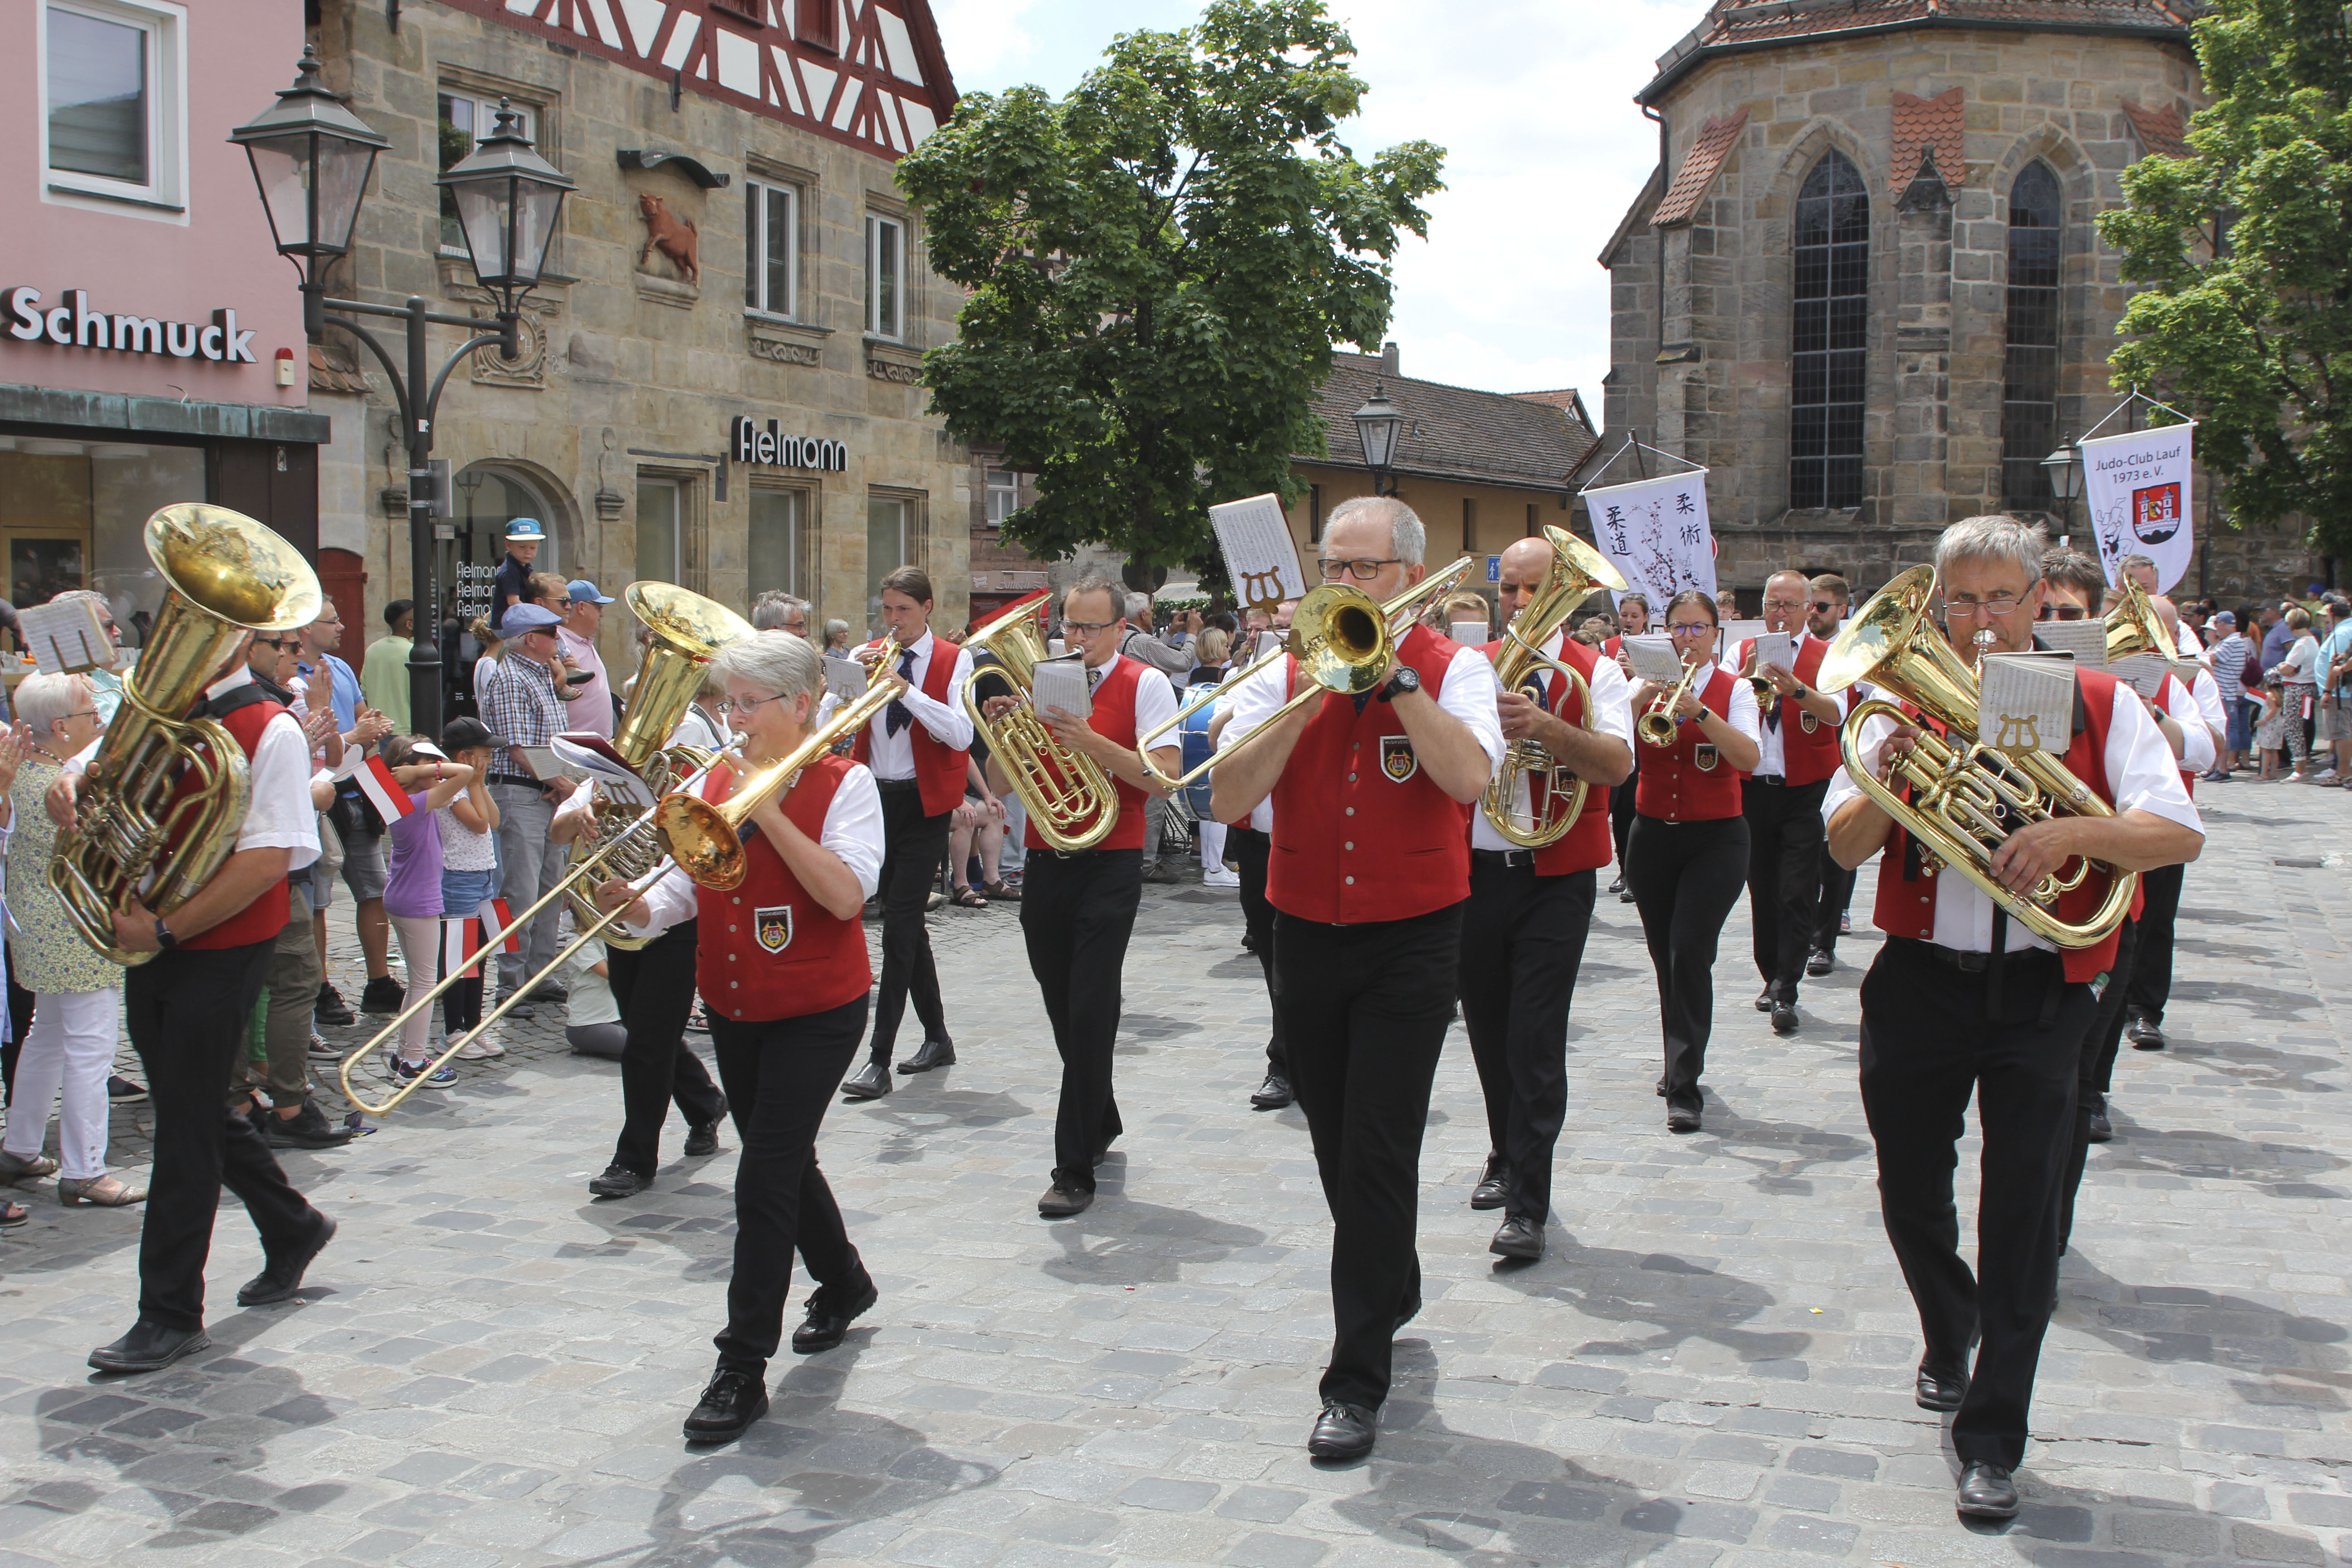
752, 442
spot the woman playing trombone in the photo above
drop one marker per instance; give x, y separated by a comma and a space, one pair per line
1686, 857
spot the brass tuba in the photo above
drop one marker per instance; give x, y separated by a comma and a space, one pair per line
163, 799
1966, 798
1577, 569
686, 630
1067, 793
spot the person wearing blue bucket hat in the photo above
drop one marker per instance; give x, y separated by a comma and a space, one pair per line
512, 584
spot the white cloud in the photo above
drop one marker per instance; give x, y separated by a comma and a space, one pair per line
984, 41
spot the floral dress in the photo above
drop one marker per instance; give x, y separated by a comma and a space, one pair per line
51, 953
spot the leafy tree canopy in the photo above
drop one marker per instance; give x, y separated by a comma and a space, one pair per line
1158, 266
2246, 248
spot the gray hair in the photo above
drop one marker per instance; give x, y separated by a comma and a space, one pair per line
1136, 607
1408, 541
2022, 544
776, 662
1121, 603
774, 609
43, 700
2125, 563
835, 629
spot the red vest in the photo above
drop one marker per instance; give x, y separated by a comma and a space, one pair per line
1113, 717
939, 769
263, 918
1808, 748
1361, 833
1690, 781
1587, 846
1907, 893
765, 949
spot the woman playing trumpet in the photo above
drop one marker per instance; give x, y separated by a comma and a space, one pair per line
1686, 857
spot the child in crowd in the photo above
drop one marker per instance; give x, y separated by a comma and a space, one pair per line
594, 1029
412, 885
469, 875
2269, 725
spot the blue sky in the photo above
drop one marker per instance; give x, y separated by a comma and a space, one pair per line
1531, 98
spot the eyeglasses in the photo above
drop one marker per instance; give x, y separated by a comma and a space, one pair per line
747, 706
1361, 570
1784, 604
1823, 607
283, 645
1695, 628
2063, 613
1998, 605
1088, 628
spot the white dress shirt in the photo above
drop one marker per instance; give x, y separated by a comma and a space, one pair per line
2141, 771
853, 830
893, 756
1261, 817
1612, 711
2186, 708
1468, 692
1155, 698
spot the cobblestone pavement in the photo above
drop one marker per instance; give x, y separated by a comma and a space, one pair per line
1711, 1365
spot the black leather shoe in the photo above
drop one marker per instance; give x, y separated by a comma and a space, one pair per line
2102, 1129
1061, 1202
148, 1347
1273, 1094
1784, 1018
1519, 1236
1488, 1194
328, 1006
1940, 1390
523, 1011
281, 1277
2144, 1032
702, 1138
932, 1054
382, 995
306, 1129
1682, 1119
619, 1182
1986, 1491
1617, 886
1343, 1431
1818, 963
1627, 897
728, 1407
549, 991
871, 1081
1764, 1000
826, 1324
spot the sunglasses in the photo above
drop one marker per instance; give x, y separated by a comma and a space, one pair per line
1823, 607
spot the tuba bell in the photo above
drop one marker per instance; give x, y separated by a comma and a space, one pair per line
1555, 796
2133, 626
165, 793
1965, 798
1067, 793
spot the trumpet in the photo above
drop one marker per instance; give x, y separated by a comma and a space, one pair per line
1067, 793
1343, 640
1656, 726
1577, 569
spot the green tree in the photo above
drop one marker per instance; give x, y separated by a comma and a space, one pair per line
1158, 266
2246, 250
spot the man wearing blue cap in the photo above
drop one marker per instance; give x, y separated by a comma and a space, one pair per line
591, 710
523, 713
512, 584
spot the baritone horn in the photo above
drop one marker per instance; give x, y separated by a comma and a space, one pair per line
1577, 569
1067, 793
2134, 628
1964, 798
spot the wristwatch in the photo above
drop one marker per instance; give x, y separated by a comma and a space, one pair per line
1406, 679
164, 940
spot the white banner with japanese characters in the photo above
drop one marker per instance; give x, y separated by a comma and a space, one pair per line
1655, 533
2137, 489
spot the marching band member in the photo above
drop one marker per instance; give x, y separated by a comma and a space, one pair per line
1373, 797
781, 963
1077, 908
1688, 856
1633, 621
1962, 1002
919, 748
1523, 930
2197, 704
1782, 799
1251, 843
1825, 613
188, 1010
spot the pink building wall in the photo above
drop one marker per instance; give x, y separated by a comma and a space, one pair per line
171, 267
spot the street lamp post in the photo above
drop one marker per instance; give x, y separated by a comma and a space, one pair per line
2064, 468
1377, 425
312, 158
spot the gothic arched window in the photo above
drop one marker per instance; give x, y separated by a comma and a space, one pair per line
2029, 398
1831, 329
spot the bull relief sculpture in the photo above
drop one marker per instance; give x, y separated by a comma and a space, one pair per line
673, 236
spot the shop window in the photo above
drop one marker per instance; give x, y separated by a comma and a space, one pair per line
775, 549
1830, 333
886, 267
113, 105
2028, 410
1003, 494
771, 248
886, 548
71, 516
465, 119
660, 519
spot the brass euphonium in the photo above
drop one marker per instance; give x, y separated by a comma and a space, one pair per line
687, 629
1656, 726
2134, 628
137, 831
1555, 796
1966, 798
1067, 793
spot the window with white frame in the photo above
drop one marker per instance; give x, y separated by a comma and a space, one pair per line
886, 277
465, 119
1003, 494
113, 104
771, 248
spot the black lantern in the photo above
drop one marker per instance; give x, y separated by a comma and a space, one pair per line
2064, 468
508, 199
310, 158
1377, 425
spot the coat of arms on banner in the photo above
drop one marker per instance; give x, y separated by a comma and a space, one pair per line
774, 927
2156, 513
1397, 760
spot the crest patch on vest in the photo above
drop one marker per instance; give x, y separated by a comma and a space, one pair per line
1703, 757
1807, 723
774, 927
1397, 760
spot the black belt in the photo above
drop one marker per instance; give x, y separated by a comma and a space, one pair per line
1503, 856
896, 786
520, 780
1950, 958
1776, 780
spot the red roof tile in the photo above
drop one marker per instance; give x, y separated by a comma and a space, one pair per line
2160, 131
1716, 139
1925, 125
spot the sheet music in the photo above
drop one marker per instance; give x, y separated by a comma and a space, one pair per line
1775, 647
2026, 701
1062, 683
66, 638
2145, 671
548, 765
1261, 560
2086, 639
1269, 642
1469, 634
845, 678
1655, 658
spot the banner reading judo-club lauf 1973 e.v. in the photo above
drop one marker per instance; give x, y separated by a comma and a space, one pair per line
2136, 486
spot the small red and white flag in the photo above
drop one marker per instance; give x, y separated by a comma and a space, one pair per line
459, 940
495, 916
382, 791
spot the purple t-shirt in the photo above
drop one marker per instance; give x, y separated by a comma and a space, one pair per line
411, 884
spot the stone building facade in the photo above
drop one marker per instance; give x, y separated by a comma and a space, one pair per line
736, 260
1863, 285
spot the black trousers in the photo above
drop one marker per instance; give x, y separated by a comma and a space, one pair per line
1076, 916
1930, 1041
779, 1078
189, 1013
1785, 837
1364, 1011
2096, 1074
1837, 893
2151, 975
1685, 878
1621, 811
913, 847
1522, 943
655, 988
1250, 849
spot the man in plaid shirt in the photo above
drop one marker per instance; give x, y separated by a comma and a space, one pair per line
521, 708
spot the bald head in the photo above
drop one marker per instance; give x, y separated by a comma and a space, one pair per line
1526, 567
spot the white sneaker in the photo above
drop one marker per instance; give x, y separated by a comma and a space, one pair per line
1223, 879
480, 1050
2325, 775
